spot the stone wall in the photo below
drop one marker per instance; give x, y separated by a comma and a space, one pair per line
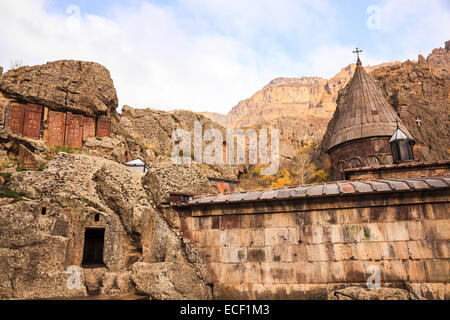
402, 170
359, 153
305, 249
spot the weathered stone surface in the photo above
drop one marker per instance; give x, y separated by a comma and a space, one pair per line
28, 160
74, 130
360, 293
15, 122
146, 134
103, 127
167, 177
167, 280
88, 128
117, 283
32, 121
56, 128
64, 85
79, 192
32, 262
439, 60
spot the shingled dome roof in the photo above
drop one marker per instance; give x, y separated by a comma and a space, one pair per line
365, 113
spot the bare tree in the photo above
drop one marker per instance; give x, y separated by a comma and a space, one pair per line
306, 169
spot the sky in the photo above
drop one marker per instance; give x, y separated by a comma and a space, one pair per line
207, 55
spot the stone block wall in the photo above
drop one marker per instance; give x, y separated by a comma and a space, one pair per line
359, 153
399, 171
306, 254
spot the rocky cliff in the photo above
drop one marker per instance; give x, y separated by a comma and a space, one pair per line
44, 215
65, 85
302, 107
299, 107
419, 93
146, 134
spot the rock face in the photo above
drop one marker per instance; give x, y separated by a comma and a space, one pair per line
299, 107
168, 280
146, 134
293, 96
439, 60
216, 117
44, 218
416, 91
65, 85
168, 177
296, 97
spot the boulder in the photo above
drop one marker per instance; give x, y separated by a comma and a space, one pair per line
28, 160
167, 177
117, 283
169, 281
65, 85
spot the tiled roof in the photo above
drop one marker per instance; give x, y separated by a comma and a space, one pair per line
364, 113
328, 189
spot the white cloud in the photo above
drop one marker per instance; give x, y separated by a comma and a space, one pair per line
197, 54
159, 57
423, 24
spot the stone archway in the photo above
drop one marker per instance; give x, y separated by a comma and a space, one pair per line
372, 161
355, 163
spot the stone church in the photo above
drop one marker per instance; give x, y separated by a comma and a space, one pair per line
384, 214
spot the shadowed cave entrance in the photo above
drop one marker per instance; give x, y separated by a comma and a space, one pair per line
94, 239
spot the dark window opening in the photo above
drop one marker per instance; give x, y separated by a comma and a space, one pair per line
401, 151
43, 211
94, 239
97, 217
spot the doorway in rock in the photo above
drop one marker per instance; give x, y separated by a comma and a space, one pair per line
94, 239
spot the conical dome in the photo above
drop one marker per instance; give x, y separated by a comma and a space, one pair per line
365, 113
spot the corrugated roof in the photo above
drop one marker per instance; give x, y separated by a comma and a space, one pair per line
364, 113
135, 162
328, 189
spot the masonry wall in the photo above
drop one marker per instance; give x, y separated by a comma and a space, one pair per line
307, 250
359, 153
406, 170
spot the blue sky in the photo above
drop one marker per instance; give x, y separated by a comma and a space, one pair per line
207, 55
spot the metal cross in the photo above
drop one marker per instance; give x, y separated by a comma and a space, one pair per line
418, 121
396, 121
357, 51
